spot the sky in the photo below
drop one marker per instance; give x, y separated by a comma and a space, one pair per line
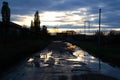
66, 13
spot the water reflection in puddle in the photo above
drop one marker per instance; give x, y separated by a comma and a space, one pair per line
97, 65
79, 60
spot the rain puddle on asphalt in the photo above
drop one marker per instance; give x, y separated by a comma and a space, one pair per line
96, 64
76, 61
61, 61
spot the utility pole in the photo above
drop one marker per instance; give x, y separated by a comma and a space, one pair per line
89, 27
84, 27
99, 27
99, 40
84, 30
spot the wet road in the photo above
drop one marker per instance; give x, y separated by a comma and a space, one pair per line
58, 61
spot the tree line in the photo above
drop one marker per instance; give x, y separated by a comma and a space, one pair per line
10, 31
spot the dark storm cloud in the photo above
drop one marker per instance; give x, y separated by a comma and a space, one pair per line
30, 6
26, 6
111, 18
73, 4
110, 8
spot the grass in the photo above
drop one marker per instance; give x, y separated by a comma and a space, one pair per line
105, 53
13, 52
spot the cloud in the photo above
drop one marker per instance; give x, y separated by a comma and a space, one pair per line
66, 12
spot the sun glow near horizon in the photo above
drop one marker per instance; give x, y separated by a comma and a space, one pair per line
56, 19
23, 20
51, 18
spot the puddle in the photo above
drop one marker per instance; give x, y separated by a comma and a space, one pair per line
96, 65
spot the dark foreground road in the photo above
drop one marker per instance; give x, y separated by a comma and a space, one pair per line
58, 61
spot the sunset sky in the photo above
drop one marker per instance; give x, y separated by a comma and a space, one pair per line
65, 13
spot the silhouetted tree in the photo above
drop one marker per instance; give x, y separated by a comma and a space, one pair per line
32, 23
55, 29
101, 33
114, 33
32, 26
114, 37
37, 22
5, 11
44, 30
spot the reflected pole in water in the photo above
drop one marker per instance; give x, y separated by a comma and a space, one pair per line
99, 64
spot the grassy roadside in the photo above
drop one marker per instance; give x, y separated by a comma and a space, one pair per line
105, 53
